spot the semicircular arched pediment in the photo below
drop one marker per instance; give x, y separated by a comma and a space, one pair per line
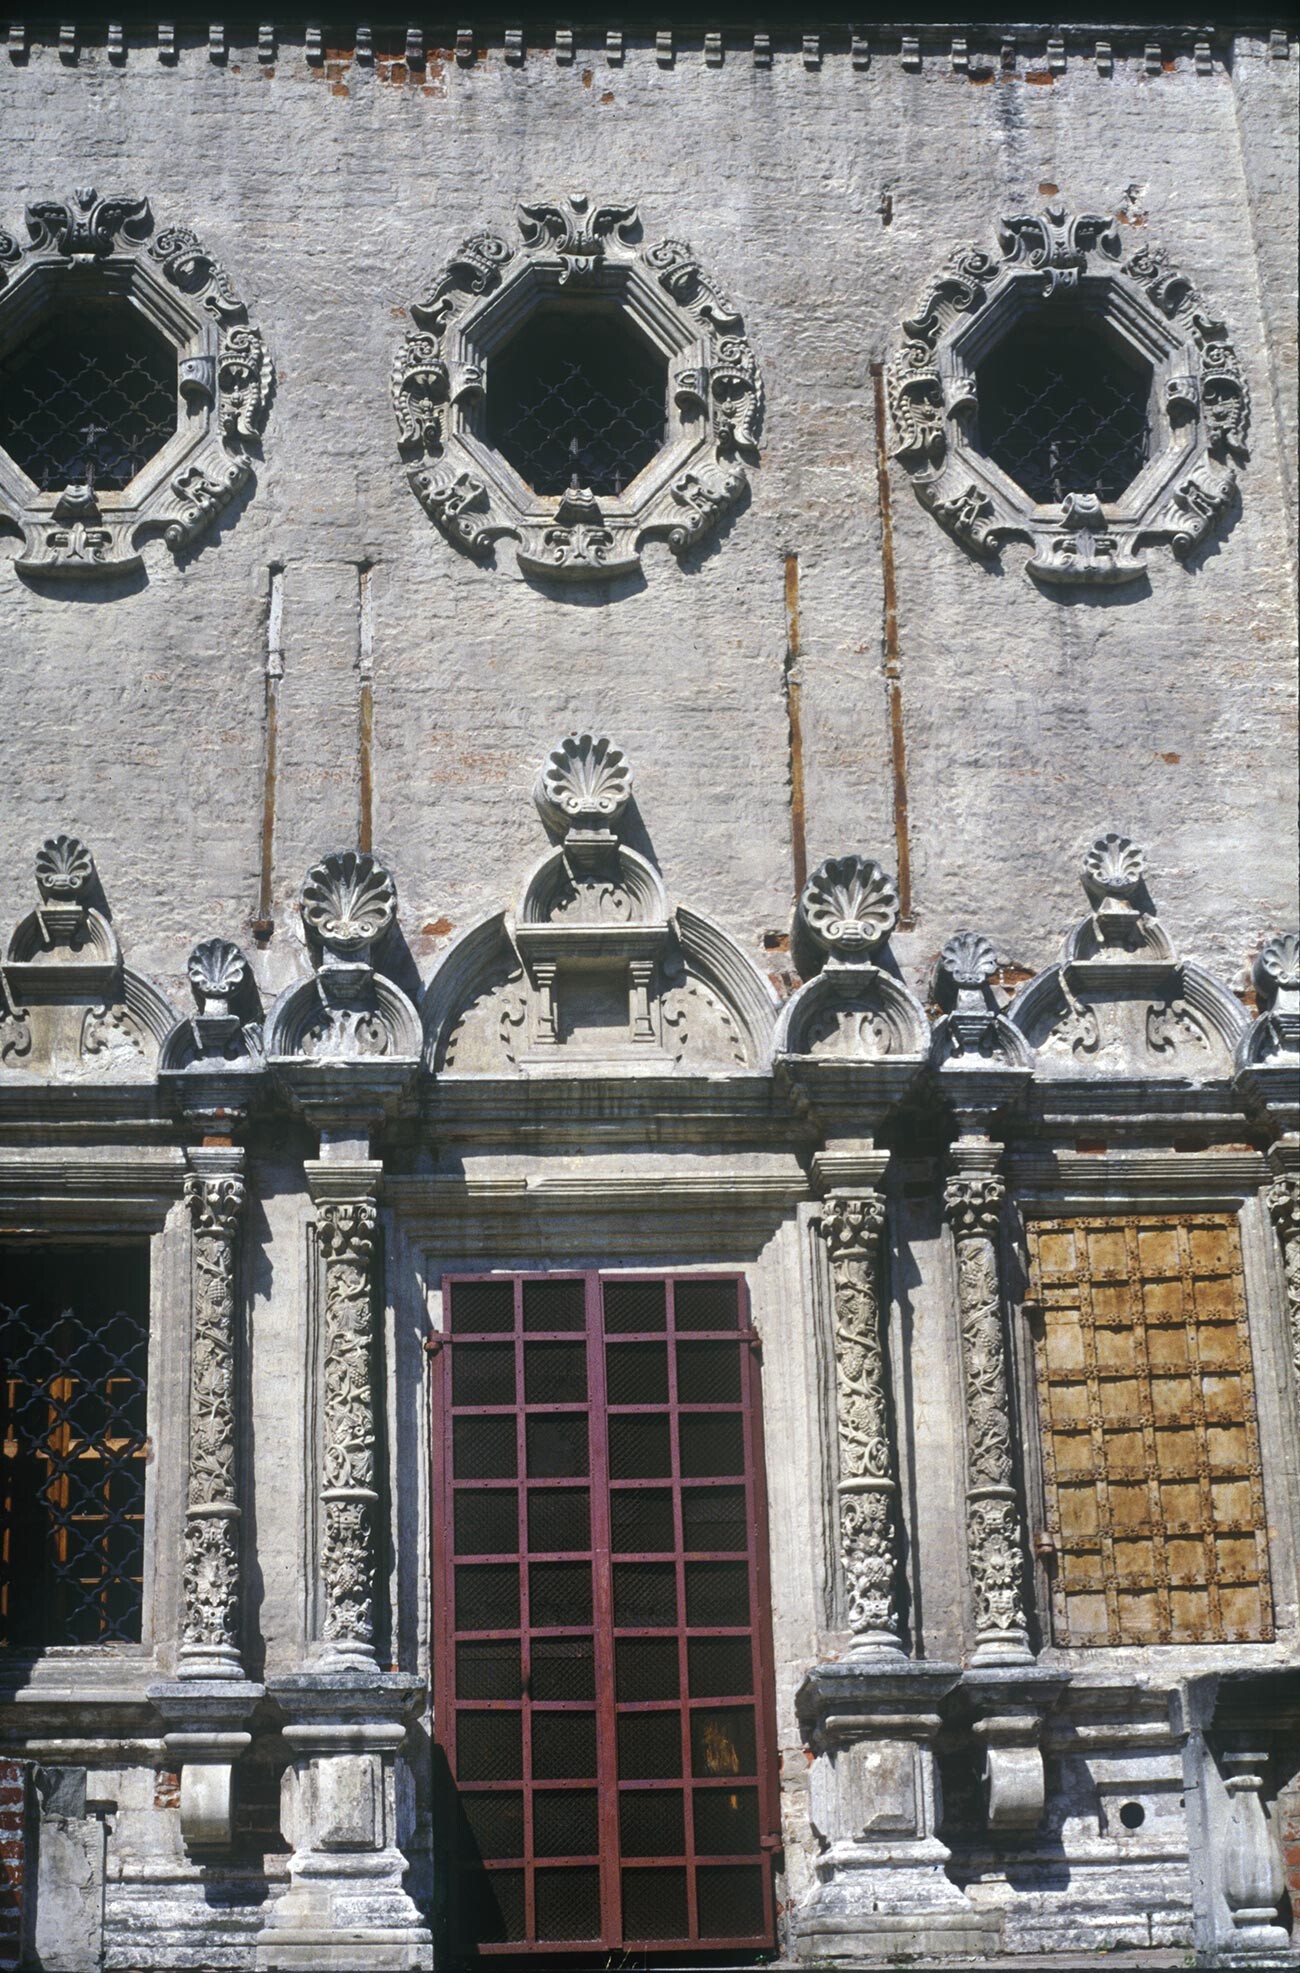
1108, 1020
853, 1013
709, 1009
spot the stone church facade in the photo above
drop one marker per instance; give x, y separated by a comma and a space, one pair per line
650, 1045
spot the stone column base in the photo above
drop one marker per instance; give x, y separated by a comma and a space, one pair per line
874, 1801
345, 1909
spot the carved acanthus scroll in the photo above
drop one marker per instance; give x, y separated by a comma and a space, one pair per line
868, 1490
210, 1627
993, 1528
349, 1495
1283, 1197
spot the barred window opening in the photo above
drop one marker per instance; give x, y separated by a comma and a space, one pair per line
602, 1659
89, 396
577, 399
1062, 411
73, 1359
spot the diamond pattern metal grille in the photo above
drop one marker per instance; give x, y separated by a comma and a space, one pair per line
1061, 413
603, 1694
1154, 1494
90, 396
577, 399
73, 1357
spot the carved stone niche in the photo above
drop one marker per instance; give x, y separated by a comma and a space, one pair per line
575, 256
348, 1037
69, 1009
1056, 275
854, 1011
1120, 1004
594, 970
95, 270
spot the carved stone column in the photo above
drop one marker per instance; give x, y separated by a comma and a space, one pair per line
868, 1488
206, 1711
345, 1205
214, 1192
994, 1537
1283, 1198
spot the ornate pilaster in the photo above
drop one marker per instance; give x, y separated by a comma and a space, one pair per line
1283, 1198
345, 1206
973, 1202
214, 1192
868, 1489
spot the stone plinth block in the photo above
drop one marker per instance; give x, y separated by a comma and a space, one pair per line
882, 1887
345, 1906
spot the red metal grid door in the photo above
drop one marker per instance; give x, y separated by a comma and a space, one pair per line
602, 1644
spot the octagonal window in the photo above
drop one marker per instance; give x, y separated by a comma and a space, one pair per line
88, 395
577, 398
1064, 409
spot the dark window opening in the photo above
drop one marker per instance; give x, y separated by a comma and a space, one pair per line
602, 1659
577, 399
89, 396
1062, 411
74, 1335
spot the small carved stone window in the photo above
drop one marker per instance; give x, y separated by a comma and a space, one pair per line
1063, 409
90, 397
74, 1336
576, 394
578, 398
1069, 393
133, 387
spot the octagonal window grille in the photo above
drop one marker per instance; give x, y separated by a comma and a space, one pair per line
576, 395
1059, 393
577, 400
90, 397
132, 387
1063, 413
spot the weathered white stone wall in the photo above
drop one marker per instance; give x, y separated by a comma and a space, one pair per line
823, 199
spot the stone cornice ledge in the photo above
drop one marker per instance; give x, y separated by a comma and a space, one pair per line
680, 1191
1143, 1176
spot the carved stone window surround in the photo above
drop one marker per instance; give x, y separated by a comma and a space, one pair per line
92, 248
1200, 405
489, 290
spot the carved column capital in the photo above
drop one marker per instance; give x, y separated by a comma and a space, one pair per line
853, 1226
215, 1195
974, 1205
346, 1230
216, 1201
973, 1201
868, 1489
1283, 1201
